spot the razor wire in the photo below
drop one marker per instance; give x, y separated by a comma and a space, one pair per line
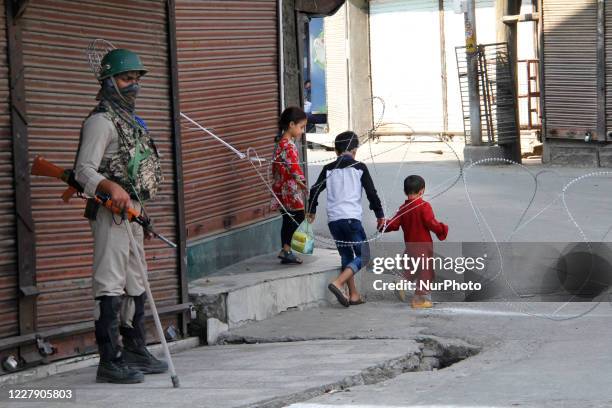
253, 157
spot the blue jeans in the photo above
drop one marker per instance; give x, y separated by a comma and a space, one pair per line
350, 240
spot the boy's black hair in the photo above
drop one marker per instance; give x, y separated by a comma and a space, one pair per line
346, 141
291, 114
413, 184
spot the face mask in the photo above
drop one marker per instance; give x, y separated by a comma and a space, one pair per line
130, 92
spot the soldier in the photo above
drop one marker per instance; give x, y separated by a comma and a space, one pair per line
118, 158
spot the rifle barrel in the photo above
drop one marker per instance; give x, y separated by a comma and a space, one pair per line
166, 240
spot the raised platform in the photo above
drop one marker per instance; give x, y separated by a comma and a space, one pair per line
259, 288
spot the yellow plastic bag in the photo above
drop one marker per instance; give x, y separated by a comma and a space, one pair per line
302, 240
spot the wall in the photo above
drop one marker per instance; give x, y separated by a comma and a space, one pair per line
359, 67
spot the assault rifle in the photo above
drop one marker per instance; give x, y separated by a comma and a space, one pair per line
43, 167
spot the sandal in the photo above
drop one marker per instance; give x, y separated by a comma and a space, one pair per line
359, 301
338, 294
421, 302
290, 258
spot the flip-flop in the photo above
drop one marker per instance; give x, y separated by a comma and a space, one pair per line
360, 301
338, 294
290, 258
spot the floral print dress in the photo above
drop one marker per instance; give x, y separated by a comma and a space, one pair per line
286, 172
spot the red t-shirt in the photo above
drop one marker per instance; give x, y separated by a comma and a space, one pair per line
417, 220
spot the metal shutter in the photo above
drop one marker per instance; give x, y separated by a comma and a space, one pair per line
60, 91
405, 58
570, 67
337, 73
8, 256
228, 75
608, 51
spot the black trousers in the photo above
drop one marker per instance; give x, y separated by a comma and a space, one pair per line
107, 327
290, 225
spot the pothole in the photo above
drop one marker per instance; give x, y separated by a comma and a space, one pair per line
434, 354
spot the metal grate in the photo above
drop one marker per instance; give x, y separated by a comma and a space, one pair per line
497, 94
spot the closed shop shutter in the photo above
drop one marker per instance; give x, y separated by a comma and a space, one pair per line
405, 58
406, 62
60, 91
608, 51
8, 257
570, 67
336, 73
228, 74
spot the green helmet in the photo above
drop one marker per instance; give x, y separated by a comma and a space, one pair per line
118, 61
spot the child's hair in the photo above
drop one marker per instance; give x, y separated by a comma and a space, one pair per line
413, 184
346, 141
291, 114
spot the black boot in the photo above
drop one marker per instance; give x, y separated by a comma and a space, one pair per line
135, 351
118, 372
112, 367
142, 360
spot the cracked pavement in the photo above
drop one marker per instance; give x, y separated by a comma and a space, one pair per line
371, 356
526, 359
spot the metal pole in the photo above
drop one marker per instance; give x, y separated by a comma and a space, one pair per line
472, 62
179, 187
281, 55
601, 71
443, 69
158, 326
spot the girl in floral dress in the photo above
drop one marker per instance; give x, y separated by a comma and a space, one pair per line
288, 181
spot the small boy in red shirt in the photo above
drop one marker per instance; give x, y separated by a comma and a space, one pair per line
417, 220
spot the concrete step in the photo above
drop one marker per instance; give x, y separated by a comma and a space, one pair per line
259, 288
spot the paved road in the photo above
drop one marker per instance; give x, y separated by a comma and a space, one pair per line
502, 193
496, 204
366, 356
528, 358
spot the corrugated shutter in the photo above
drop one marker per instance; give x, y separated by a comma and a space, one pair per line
8, 257
60, 91
405, 58
570, 67
336, 73
454, 29
228, 74
608, 47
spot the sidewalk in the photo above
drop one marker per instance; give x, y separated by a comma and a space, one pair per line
259, 288
381, 354
230, 376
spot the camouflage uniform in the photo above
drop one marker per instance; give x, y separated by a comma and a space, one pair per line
115, 145
104, 153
